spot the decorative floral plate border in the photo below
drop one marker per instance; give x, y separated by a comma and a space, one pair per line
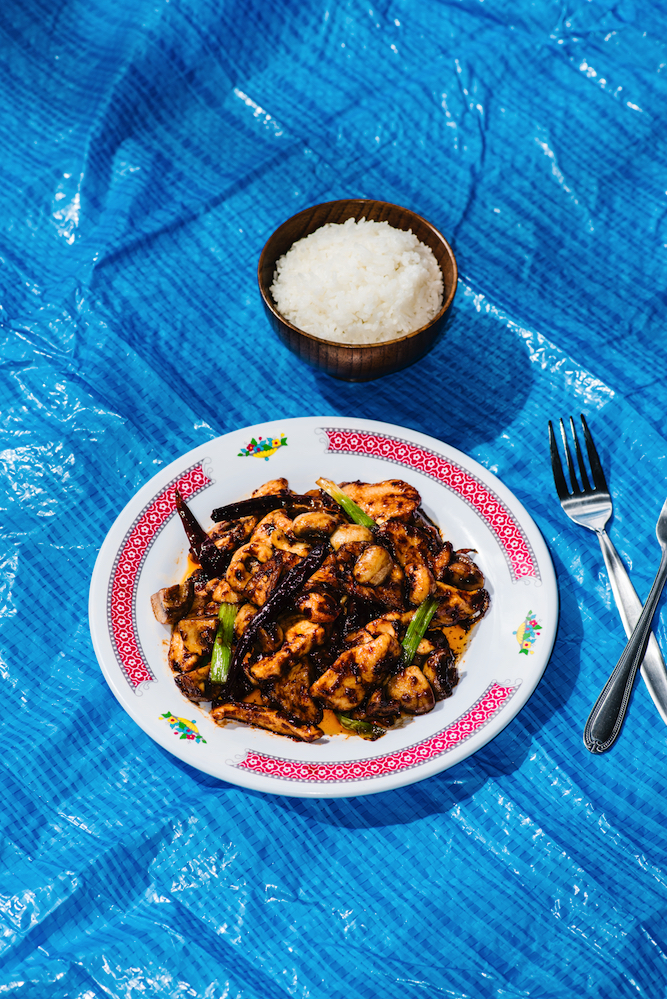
366, 441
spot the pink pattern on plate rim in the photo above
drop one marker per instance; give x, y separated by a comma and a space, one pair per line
513, 541
126, 568
480, 714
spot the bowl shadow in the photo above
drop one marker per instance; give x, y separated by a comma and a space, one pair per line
457, 395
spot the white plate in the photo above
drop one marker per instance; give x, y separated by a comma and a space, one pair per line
146, 549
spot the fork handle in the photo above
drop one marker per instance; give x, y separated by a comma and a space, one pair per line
629, 607
606, 719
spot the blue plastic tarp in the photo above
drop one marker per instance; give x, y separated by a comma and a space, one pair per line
148, 151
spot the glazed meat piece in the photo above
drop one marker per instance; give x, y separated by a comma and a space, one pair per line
389, 500
347, 682
173, 602
191, 641
322, 608
228, 536
276, 529
412, 691
300, 637
274, 487
246, 560
263, 582
411, 552
263, 717
459, 606
196, 684
316, 522
440, 671
337, 573
291, 694
380, 707
462, 573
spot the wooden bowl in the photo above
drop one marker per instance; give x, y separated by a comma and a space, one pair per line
356, 362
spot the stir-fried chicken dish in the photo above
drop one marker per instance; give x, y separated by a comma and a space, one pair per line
298, 608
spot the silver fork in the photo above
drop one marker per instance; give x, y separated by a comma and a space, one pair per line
591, 507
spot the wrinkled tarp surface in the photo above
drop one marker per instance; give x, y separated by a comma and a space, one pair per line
148, 150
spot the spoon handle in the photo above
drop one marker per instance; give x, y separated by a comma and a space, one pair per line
606, 719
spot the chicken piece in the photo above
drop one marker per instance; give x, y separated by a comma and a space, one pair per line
440, 671
315, 522
392, 499
373, 566
411, 552
300, 637
268, 639
229, 535
462, 573
263, 717
319, 607
191, 641
276, 529
379, 626
348, 534
224, 594
196, 684
173, 602
381, 707
203, 604
441, 560
459, 606
274, 487
263, 582
336, 573
243, 619
276, 520
346, 683
291, 694
412, 691
245, 562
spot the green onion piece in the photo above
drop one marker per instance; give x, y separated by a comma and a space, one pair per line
367, 730
351, 508
222, 648
417, 629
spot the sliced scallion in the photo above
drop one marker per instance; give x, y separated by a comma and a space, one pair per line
352, 509
417, 629
222, 647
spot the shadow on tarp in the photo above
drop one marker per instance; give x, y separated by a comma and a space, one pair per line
473, 390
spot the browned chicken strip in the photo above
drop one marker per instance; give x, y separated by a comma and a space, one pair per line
300, 638
263, 717
459, 606
392, 499
291, 694
346, 683
412, 691
173, 602
191, 640
413, 555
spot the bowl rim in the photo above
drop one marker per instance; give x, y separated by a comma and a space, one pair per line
447, 300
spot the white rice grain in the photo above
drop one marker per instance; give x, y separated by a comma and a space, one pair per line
358, 282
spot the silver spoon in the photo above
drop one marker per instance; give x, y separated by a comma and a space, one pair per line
605, 720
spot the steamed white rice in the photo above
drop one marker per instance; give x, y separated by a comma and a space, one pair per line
358, 282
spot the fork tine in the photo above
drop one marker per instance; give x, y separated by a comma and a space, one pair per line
557, 467
570, 464
596, 467
580, 458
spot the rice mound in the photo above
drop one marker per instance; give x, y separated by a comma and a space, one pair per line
358, 282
